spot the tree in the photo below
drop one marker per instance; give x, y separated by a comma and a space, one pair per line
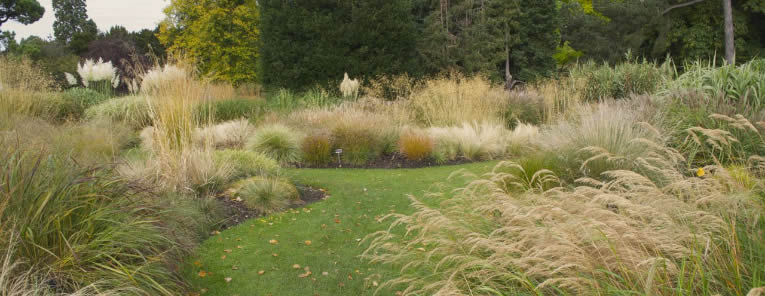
72, 19
221, 36
504, 39
304, 43
22, 11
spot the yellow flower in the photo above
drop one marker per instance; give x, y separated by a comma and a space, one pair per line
700, 172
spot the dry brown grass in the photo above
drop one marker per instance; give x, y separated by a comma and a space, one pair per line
453, 101
623, 232
415, 144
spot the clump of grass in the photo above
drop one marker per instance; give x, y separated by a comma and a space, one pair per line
415, 144
26, 89
624, 233
620, 81
230, 134
132, 110
473, 141
452, 101
524, 107
266, 194
317, 148
77, 225
99, 75
362, 135
733, 85
245, 164
600, 138
77, 100
276, 141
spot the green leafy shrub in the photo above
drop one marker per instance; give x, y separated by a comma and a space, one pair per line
317, 149
266, 194
278, 142
230, 109
133, 110
247, 164
415, 144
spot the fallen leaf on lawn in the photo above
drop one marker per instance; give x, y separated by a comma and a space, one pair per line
215, 232
228, 279
337, 221
234, 267
275, 255
239, 239
341, 285
306, 274
227, 250
325, 273
273, 242
324, 226
307, 268
223, 257
374, 283
307, 243
421, 249
239, 247
261, 272
203, 273
350, 277
197, 263
296, 266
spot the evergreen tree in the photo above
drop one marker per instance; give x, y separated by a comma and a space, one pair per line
538, 37
72, 19
22, 11
304, 43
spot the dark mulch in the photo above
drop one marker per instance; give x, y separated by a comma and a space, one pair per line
394, 161
237, 212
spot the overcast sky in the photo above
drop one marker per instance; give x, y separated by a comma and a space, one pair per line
132, 14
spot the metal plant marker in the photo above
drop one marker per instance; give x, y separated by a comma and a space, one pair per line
338, 152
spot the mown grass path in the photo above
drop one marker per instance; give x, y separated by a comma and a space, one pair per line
261, 256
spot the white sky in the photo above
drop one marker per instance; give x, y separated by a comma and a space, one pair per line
132, 14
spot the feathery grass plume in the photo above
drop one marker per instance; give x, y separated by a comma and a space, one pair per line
229, 134
266, 194
625, 233
276, 141
415, 144
70, 79
453, 101
349, 87
607, 136
98, 75
473, 141
161, 77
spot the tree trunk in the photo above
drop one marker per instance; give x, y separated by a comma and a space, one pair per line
508, 77
730, 46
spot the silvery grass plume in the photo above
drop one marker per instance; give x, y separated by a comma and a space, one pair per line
92, 71
159, 77
620, 232
70, 79
349, 87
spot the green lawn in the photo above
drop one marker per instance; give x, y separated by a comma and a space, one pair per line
322, 238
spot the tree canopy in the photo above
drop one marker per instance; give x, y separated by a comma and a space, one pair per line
220, 36
22, 11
